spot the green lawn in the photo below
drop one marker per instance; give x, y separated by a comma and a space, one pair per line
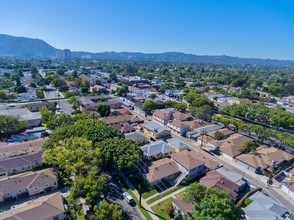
164, 194
158, 210
147, 189
143, 211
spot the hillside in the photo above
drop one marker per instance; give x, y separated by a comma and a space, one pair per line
11, 46
24, 47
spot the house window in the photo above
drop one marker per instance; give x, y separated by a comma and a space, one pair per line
55, 183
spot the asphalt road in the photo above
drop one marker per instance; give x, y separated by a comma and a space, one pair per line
113, 193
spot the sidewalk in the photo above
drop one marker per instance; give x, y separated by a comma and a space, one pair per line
166, 197
143, 203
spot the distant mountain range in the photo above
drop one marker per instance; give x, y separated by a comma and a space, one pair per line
11, 46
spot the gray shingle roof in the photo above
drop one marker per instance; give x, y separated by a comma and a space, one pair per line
154, 127
264, 208
177, 143
135, 136
156, 148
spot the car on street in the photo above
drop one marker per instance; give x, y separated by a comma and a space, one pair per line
128, 197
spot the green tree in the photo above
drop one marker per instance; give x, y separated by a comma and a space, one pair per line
214, 208
211, 203
123, 91
113, 76
2, 95
218, 135
40, 93
75, 102
150, 105
121, 153
58, 82
152, 96
103, 110
204, 112
181, 106
60, 71
10, 125
249, 146
86, 127
48, 117
107, 211
34, 69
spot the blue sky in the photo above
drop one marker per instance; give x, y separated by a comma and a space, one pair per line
243, 28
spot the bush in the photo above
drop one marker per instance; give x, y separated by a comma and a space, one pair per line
247, 201
167, 207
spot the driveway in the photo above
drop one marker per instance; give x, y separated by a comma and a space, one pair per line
113, 193
66, 107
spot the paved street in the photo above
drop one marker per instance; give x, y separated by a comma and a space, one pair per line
113, 193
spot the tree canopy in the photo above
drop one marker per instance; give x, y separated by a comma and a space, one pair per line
107, 211
10, 125
211, 203
103, 110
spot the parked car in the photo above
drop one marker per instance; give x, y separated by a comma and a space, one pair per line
128, 197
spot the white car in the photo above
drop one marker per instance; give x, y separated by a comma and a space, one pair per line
128, 197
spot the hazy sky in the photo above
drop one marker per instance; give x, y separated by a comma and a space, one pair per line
244, 28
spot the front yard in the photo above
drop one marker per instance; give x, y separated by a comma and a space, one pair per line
163, 208
146, 189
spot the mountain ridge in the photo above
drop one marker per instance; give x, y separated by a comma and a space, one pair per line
11, 46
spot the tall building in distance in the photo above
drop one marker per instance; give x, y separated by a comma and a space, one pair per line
64, 55
67, 55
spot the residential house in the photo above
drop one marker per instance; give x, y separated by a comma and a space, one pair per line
177, 144
213, 179
180, 206
49, 207
38, 105
90, 103
111, 120
265, 158
164, 169
31, 119
178, 127
124, 127
162, 116
224, 132
14, 165
286, 178
197, 132
121, 111
180, 116
193, 163
156, 131
232, 146
21, 148
114, 87
234, 100
97, 88
27, 184
137, 137
196, 124
157, 149
263, 207
233, 176
210, 136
